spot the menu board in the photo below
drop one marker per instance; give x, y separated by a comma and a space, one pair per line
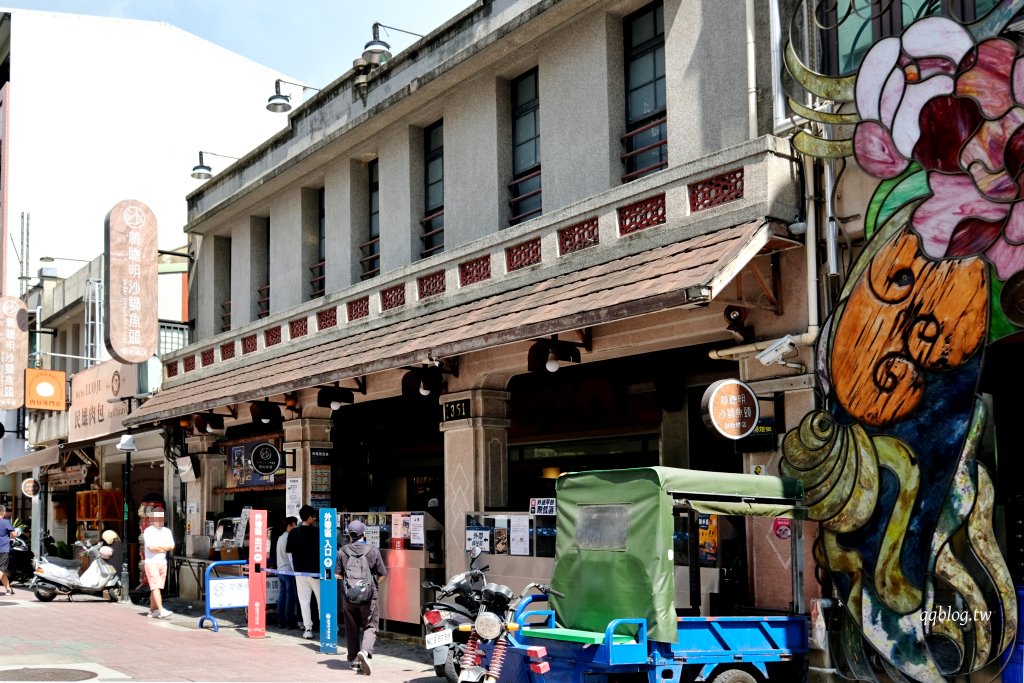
320, 477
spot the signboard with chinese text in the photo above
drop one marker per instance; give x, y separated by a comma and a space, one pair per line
259, 548
46, 389
265, 459
707, 538
131, 276
730, 408
29, 488
328, 584
92, 415
13, 352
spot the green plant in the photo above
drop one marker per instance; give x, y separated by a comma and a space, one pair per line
64, 550
19, 524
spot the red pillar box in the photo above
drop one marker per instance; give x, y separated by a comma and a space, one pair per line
259, 545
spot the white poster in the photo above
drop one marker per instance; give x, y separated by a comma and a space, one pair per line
293, 497
373, 536
519, 535
478, 536
416, 536
242, 528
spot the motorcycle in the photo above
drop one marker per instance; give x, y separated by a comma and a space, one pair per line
20, 567
489, 631
55, 576
443, 619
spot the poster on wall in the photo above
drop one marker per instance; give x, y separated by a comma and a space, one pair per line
708, 538
373, 536
292, 497
542, 506
478, 536
519, 535
240, 466
416, 536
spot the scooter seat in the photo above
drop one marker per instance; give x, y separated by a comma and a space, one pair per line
68, 564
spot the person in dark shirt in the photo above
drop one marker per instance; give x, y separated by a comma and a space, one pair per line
361, 619
304, 546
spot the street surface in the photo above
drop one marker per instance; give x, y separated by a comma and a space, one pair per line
95, 640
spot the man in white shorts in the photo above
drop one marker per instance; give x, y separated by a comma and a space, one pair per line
158, 541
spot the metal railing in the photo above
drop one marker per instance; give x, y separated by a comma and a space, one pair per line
263, 301
631, 154
369, 262
173, 336
225, 316
429, 232
521, 192
317, 279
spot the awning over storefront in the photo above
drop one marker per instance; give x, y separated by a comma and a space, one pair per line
682, 274
25, 463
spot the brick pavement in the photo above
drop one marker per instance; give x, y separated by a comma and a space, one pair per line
118, 643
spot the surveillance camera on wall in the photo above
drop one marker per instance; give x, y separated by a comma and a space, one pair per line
778, 351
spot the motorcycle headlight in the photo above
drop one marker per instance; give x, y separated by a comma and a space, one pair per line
488, 625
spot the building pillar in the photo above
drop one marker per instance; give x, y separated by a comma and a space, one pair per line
301, 436
475, 463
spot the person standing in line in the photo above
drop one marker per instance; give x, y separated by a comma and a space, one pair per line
7, 532
286, 595
304, 547
158, 541
361, 618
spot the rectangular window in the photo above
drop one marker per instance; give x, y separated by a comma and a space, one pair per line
432, 235
263, 291
601, 527
317, 271
646, 138
369, 259
525, 188
852, 26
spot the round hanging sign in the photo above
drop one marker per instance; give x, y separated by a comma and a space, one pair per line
266, 459
730, 408
30, 487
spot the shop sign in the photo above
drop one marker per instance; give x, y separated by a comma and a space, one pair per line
266, 459
67, 476
46, 389
707, 538
259, 547
455, 410
328, 584
131, 275
30, 487
13, 352
93, 414
730, 408
782, 527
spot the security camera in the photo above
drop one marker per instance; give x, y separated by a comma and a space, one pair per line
777, 351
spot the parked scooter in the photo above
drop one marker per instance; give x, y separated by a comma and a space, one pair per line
55, 576
442, 619
489, 631
20, 564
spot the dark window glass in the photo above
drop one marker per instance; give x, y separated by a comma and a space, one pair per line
646, 130
322, 218
432, 236
525, 188
371, 247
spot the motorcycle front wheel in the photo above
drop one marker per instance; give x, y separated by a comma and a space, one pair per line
44, 594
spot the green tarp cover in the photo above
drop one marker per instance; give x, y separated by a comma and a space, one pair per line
614, 548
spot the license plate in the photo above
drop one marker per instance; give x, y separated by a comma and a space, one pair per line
437, 638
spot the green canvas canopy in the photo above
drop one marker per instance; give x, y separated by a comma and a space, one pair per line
614, 546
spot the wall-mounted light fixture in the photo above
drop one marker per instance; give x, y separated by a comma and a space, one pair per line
549, 354
265, 412
377, 51
279, 102
428, 380
334, 396
202, 171
208, 423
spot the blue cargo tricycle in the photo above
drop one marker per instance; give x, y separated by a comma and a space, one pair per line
617, 621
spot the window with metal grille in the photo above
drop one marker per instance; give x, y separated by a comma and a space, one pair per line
849, 27
369, 259
432, 235
317, 271
646, 137
525, 188
263, 291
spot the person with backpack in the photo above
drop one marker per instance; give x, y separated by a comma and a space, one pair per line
361, 569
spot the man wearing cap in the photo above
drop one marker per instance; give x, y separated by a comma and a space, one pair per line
158, 541
361, 620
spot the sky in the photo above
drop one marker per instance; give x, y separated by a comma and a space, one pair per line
313, 41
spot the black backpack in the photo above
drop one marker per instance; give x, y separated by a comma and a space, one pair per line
358, 582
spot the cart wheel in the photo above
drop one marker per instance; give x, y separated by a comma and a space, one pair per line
114, 593
734, 676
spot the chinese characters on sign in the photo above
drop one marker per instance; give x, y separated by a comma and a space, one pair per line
730, 408
328, 583
259, 543
14, 353
92, 415
45, 389
131, 275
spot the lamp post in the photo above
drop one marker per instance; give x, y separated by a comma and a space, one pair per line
127, 446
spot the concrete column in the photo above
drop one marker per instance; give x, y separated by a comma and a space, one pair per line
401, 196
302, 435
475, 466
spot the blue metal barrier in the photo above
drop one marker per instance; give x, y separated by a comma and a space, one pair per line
218, 589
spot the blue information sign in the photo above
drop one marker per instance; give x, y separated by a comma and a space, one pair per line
328, 584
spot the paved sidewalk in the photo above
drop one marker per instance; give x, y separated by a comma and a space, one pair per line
92, 639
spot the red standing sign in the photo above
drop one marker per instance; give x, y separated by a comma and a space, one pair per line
259, 546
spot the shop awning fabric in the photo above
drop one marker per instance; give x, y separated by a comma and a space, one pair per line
25, 463
688, 273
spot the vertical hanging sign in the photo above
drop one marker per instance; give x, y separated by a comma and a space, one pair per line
131, 277
259, 545
328, 584
13, 352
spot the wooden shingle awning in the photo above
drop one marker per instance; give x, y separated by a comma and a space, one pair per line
683, 274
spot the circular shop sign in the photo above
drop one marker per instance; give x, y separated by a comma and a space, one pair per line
266, 459
30, 487
730, 408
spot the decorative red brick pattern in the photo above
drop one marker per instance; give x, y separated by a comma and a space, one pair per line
249, 344
360, 308
299, 328
227, 351
642, 214
272, 336
190, 363
722, 188
579, 236
476, 270
329, 317
172, 368
521, 255
207, 357
431, 285
392, 297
